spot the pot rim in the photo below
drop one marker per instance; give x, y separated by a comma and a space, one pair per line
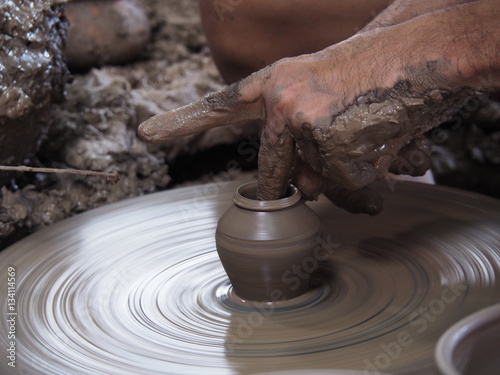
458, 333
244, 198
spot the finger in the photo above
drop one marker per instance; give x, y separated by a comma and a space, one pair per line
414, 159
364, 200
239, 102
351, 175
310, 183
276, 160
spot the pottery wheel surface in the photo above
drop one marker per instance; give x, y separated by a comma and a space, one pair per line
136, 287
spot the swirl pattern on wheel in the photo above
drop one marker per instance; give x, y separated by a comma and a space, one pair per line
137, 288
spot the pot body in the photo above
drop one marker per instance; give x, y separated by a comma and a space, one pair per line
267, 248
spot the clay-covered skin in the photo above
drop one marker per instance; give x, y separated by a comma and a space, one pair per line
346, 112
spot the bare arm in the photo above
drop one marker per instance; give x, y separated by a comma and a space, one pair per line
348, 110
404, 10
464, 35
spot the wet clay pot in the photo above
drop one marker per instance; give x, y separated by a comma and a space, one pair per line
263, 245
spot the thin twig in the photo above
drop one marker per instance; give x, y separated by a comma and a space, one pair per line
111, 178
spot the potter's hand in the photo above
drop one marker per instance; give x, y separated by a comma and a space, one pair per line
351, 111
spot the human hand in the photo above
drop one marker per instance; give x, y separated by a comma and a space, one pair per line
336, 120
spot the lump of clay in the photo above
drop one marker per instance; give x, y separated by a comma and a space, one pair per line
32, 73
105, 33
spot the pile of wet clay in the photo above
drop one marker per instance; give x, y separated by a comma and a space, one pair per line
95, 127
32, 73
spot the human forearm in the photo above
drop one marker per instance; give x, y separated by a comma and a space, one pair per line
349, 110
459, 45
448, 50
403, 10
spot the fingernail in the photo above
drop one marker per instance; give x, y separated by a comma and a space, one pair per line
148, 131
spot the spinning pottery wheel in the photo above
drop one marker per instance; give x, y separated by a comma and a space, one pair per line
137, 287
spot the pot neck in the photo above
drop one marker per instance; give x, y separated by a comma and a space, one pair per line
246, 197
